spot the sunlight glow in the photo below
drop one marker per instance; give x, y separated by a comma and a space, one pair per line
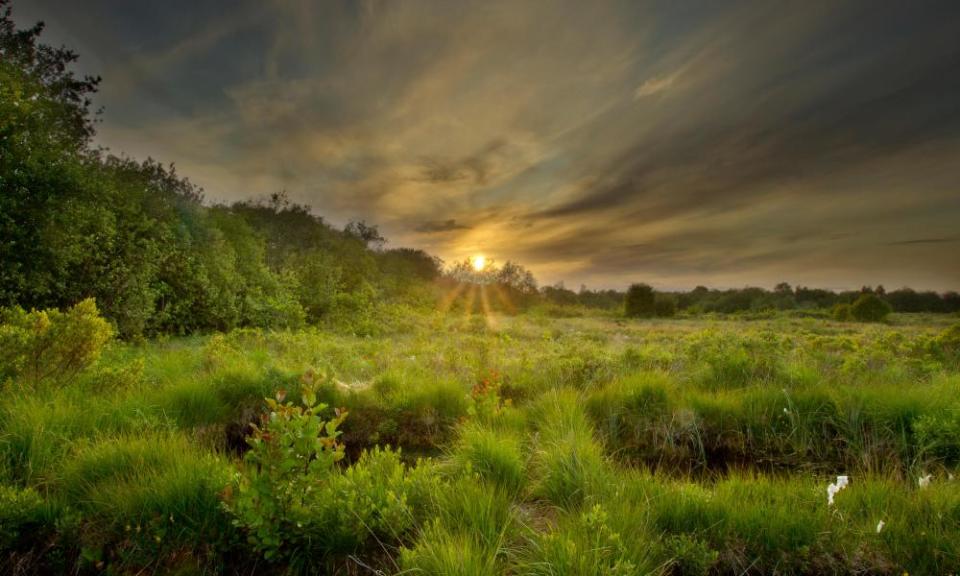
479, 262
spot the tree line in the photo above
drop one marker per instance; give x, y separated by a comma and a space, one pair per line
78, 222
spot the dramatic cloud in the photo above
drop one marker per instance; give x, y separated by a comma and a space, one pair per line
598, 142
444, 226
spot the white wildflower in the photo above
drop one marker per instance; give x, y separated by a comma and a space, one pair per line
924, 481
880, 525
835, 487
831, 492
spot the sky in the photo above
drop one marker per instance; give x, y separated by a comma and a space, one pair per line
600, 143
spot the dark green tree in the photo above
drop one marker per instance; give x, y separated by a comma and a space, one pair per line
640, 301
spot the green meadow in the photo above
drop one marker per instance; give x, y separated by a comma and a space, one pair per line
471, 444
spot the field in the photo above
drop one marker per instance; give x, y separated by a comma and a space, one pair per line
517, 445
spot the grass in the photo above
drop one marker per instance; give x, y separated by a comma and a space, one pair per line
685, 446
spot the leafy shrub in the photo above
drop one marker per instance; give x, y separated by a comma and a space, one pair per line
870, 308
949, 339
841, 313
690, 556
665, 306
371, 498
40, 346
19, 512
292, 450
297, 506
640, 301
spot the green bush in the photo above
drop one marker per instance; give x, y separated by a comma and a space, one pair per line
49, 345
640, 301
19, 513
289, 454
870, 308
297, 507
665, 306
841, 313
949, 339
690, 556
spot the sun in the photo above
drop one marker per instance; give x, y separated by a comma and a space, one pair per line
479, 262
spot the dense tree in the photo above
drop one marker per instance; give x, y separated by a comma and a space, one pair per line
640, 301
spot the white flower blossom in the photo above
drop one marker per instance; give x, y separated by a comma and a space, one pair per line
834, 487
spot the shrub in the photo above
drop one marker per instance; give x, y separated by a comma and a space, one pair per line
870, 308
690, 555
665, 306
289, 454
640, 301
19, 513
39, 346
297, 507
949, 339
841, 313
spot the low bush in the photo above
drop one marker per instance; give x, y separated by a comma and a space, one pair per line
841, 312
298, 508
49, 345
870, 308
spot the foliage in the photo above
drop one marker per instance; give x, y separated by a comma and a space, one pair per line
640, 301
292, 453
841, 312
49, 345
19, 515
870, 308
665, 306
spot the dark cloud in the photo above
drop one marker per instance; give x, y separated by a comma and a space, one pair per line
435, 226
922, 241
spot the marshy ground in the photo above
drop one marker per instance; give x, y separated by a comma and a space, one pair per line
518, 445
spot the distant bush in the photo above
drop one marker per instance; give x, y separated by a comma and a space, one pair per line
870, 308
665, 306
640, 301
841, 313
43, 345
